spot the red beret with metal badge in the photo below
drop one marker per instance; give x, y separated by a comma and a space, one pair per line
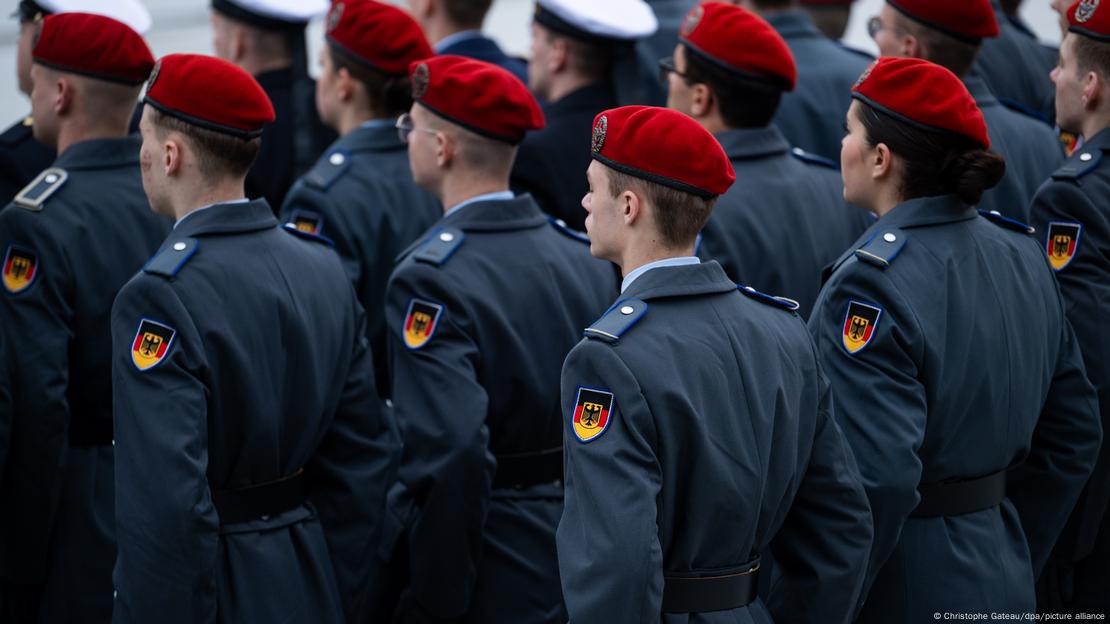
93, 45
210, 93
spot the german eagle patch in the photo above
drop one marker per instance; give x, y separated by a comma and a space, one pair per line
1061, 243
307, 222
420, 322
591, 413
859, 326
20, 269
152, 343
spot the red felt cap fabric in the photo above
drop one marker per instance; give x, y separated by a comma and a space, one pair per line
739, 41
379, 35
478, 96
211, 93
1087, 19
93, 45
967, 20
662, 146
924, 95
830, 3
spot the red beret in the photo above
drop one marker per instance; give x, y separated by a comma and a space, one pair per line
1085, 19
829, 3
478, 96
662, 146
210, 93
924, 95
93, 45
381, 36
739, 41
967, 20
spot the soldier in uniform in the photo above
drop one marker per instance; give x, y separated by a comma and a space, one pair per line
455, 27
21, 156
1015, 65
786, 204
574, 48
697, 427
950, 33
480, 315
812, 115
360, 195
253, 455
267, 39
956, 377
69, 241
1072, 216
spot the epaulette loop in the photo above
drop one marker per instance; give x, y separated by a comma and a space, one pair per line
1006, 222
173, 256
298, 232
779, 302
35, 194
1081, 163
328, 170
881, 250
564, 229
812, 159
617, 320
440, 246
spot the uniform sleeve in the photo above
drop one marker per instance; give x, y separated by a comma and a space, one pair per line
610, 558
350, 473
1065, 445
821, 550
878, 401
166, 525
37, 321
446, 472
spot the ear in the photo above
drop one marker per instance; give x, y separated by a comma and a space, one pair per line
445, 149
236, 43
910, 47
63, 96
701, 100
345, 85
560, 55
1093, 90
882, 162
173, 161
632, 208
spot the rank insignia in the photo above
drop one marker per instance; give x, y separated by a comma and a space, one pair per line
859, 325
1086, 10
421, 78
307, 222
420, 322
152, 343
693, 18
1061, 243
20, 269
591, 413
600, 128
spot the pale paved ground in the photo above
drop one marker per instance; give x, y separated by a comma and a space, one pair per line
182, 26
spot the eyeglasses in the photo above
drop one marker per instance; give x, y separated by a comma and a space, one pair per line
666, 68
875, 26
405, 127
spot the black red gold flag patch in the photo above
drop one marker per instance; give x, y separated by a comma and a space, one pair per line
1061, 243
152, 342
307, 222
592, 409
420, 322
21, 266
859, 325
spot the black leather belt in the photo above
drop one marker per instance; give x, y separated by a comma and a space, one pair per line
265, 499
960, 497
702, 594
519, 470
90, 432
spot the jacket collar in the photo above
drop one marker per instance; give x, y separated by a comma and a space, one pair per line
101, 154
979, 91
680, 281
519, 213
753, 143
228, 219
793, 25
374, 139
592, 98
1100, 141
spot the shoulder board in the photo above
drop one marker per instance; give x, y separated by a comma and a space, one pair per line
856, 51
1018, 107
298, 232
35, 194
616, 320
778, 302
18, 133
564, 229
439, 247
1006, 222
812, 159
1080, 164
173, 256
328, 169
882, 248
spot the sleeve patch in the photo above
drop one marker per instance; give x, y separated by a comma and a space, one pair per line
1061, 243
152, 343
307, 221
860, 322
421, 321
593, 409
21, 267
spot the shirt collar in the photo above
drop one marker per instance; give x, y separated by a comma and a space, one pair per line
665, 262
378, 123
234, 201
499, 195
454, 38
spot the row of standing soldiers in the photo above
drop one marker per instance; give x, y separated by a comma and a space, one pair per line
403, 384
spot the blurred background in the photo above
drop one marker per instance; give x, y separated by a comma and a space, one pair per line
182, 26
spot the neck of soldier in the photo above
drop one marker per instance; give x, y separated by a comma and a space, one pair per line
462, 186
565, 83
1095, 123
648, 249
257, 64
350, 118
77, 130
439, 29
197, 193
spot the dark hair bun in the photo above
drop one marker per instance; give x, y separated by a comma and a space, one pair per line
974, 172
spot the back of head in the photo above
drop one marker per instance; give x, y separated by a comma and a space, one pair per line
949, 32
271, 32
929, 121
1089, 30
